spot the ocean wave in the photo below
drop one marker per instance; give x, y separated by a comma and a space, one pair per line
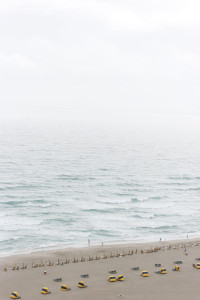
155, 198
105, 211
188, 189
137, 216
162, 228
13, 203
184, 177
57, 221
121, 194
194, 189
171, 183
135, 200
70, 177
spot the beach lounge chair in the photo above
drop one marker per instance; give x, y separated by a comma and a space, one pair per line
135, 268
65, 288
198, 258
112, 272
112, 278
157, 265
97, 257
120, 278
85, 275
178, 262
176, 268
45, 291
82, 284
197, 266
58, 279
15, 295
145, 274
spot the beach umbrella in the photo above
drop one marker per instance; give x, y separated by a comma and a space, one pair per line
64, 288
82, 284
15, 295
163, 271
112, 278
145, 274
45, 291
120, 278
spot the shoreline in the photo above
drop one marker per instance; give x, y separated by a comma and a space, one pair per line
95, 243
102, 249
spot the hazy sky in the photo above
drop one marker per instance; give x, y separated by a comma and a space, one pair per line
100, 55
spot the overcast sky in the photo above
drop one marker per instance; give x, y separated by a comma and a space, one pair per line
100, 55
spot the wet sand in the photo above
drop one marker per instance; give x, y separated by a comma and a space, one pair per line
97, 261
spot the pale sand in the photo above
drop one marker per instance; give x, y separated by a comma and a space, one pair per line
174, 285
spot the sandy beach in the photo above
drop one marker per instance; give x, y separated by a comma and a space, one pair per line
97, 262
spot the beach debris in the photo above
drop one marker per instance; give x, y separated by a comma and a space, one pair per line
5, 269
90, 258
176, 268
67, 261
130, 252
49, 264
112, 278
157, 265
120, 278
120, 295
65, 288
59, 279
145, 274
97, 257
117, 255
112, 271
85, 275
41, 264
178, 262
34, 265
14, 268
162, 271
82, 259
82, 284
15, 295
75, 260
135, 268
24, 266
45, 291
45, 272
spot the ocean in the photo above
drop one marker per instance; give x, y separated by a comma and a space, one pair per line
64, 182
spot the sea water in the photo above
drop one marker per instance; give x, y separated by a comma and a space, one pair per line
62, 183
